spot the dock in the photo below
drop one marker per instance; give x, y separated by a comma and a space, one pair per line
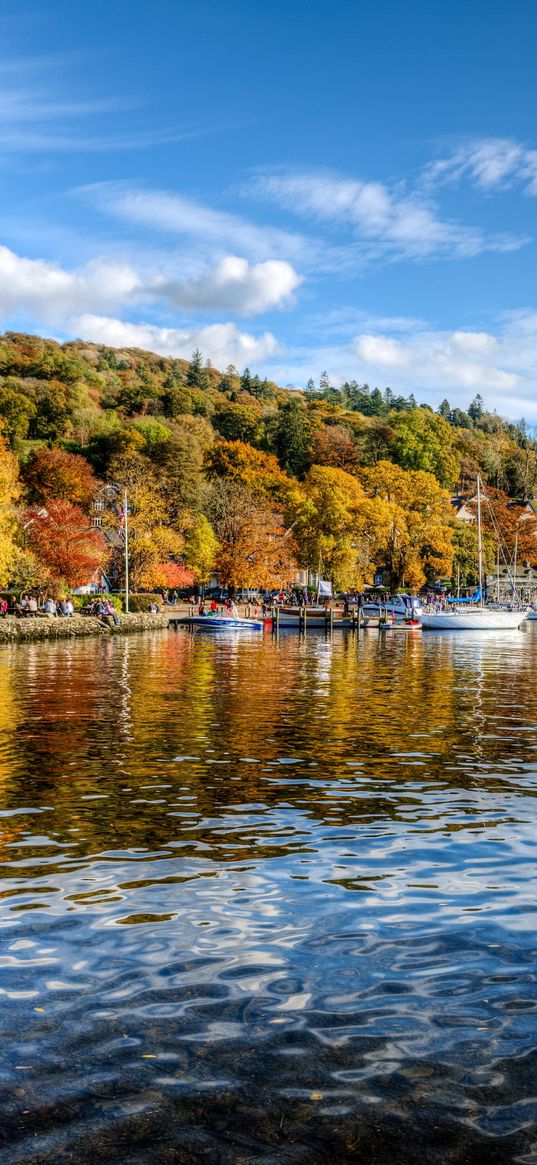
302, 620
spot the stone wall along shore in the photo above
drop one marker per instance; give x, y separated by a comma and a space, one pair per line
32, 630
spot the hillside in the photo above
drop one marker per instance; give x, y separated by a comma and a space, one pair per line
219, 466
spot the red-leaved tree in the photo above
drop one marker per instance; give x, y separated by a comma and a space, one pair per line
167, 574
66, 548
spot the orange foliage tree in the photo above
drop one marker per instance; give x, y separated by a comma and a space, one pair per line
53, 473
66, 549
514, 526
164, 575
333, 445
254, 548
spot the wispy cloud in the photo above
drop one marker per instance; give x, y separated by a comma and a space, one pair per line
383, 220
488, 164
36, 117
175, 214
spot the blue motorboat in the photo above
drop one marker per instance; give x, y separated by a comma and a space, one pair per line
222, 623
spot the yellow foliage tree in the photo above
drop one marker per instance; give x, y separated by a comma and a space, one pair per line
151, 539
417, 521
337, 526
201, 547
9, 494
259, 472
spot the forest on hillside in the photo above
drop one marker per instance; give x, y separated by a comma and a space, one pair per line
230, 473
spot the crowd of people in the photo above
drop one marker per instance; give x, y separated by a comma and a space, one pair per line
31, 605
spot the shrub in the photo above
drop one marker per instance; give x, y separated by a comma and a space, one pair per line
143, 602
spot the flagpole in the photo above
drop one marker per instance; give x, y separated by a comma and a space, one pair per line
126, 532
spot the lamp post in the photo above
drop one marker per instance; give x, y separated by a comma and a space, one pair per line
113, 490
126, 531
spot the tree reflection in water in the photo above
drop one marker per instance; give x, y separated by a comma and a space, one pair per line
268, 900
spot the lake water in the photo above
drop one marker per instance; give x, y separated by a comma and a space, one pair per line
269, 902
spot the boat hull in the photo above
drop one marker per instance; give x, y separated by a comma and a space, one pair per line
212, 623
400, 613
480, 619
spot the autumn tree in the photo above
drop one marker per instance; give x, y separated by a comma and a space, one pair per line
418, 524
151, 538
333, 445
511, 526
66, 548
336, 526
201, 547
260, 472
255, 550
53, 473
165, 575
9, 495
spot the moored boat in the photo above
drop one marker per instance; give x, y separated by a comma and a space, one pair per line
476, 615
473, 619
222, 623
402, 607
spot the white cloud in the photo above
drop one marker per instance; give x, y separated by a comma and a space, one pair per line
51, 293
489, 164
382, 351
41, 287
174, 214
441, 359
432, 363
223, 344
234, 285
473, 343
383, 220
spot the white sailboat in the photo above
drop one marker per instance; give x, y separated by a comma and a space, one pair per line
478, 617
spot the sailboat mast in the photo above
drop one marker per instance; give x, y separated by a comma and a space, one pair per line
479, 540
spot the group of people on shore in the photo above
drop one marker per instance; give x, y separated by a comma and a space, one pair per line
102, 608
30, 605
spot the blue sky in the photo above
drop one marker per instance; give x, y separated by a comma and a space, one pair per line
288, 184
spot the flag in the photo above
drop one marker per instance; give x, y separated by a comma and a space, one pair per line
325, 586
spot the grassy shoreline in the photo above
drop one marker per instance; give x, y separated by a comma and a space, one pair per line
35, 630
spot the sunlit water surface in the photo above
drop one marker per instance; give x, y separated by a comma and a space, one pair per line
269, 901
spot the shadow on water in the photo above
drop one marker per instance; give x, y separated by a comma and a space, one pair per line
268, 901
